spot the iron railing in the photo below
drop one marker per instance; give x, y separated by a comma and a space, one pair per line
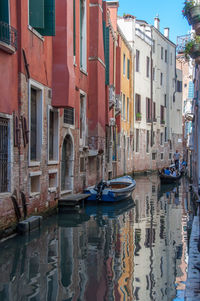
8, 34
3, 155
181, 42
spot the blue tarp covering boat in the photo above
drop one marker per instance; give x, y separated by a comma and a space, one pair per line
114, 190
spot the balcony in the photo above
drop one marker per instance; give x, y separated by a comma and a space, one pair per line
111, 96
118, 104
8, 38
191, 11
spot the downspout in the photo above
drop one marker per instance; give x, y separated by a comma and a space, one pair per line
19, 10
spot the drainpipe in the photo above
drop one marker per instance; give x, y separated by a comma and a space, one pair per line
19, 10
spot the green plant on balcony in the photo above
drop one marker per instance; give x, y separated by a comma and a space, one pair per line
191, 11
188, 4
138, 116
162, 121
192, 48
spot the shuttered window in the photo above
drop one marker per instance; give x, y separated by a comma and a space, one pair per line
42, 16
106, 35
4, 11
128, 68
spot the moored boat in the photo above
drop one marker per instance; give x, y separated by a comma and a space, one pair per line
114, 190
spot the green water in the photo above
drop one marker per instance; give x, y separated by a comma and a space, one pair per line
134, 250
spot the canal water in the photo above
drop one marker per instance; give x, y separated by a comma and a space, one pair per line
135, 250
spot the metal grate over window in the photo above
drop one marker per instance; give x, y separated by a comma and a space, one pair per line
69, 115
3, 155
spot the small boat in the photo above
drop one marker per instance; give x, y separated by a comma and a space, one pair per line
168, 179
114, 190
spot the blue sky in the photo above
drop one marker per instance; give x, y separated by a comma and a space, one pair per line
170, 14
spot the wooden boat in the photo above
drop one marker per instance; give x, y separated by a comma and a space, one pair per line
168, 179
112, 191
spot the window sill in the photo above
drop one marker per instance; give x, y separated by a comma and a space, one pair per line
65, 192
83, 71
36, 33
5, 195
67, 125
34, 163
56, 162
7, 48
52, 189
33, 194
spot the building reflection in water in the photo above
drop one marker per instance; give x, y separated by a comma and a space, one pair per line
117, 252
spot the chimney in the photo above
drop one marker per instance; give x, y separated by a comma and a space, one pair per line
166, 32
157, 22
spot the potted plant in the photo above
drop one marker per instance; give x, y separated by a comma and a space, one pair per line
162, 121
191, 11
192, 49
138, 116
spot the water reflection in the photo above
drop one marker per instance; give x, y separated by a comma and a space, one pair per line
128, 251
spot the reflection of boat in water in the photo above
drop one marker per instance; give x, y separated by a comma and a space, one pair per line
114, 190
167, 179
167, 188
109, 209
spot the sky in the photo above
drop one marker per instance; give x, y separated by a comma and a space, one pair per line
170, 14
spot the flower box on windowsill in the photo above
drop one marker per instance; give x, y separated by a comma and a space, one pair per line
162, 122
138, 116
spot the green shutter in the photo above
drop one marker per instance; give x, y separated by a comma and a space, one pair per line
4, 13
36, 13
128, 68
49, 19
74, 27
107, 54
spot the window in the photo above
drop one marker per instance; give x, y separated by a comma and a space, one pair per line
35, 182
127, 109
147, 144
161, 53
161, 78
179, 86
147, 66
148, 109
170, 156
137, 60
138, 107
4, 11
53, 135
128, 68
53, 179
165, 100
83, 38
124, 107
124, 64
153, 156
154, 137
154, 111
165, 56
68, 116
161, 138
165, 134
82, 120
154, 46
162, 117
42, 16
154, 74
36, 122
137, 140
82, 164
161, 156
4, 159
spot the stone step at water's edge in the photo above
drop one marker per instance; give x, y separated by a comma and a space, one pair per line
30, 224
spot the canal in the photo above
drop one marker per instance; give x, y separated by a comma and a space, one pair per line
135, 250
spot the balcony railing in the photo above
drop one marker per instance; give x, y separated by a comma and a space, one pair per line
118, 104
111, 96
8, 35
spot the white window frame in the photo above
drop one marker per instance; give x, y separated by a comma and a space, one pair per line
82, 140
53, 171
124, 64
128, 109
124, 107
56, 133
33, 174
84, 40
38, 87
